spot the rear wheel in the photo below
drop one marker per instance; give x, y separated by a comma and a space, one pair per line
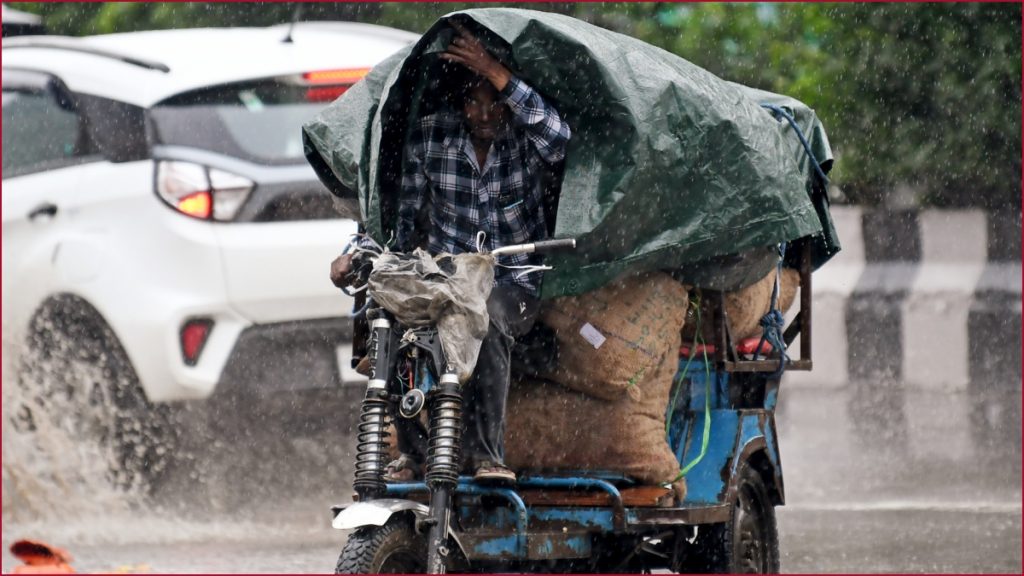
80, 402
394, 548
748, 543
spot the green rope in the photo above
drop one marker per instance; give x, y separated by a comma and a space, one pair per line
707, 420
698, 338
682, 375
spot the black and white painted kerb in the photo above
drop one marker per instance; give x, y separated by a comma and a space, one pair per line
926, 306
994, 334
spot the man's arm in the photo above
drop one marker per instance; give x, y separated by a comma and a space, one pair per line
546, 130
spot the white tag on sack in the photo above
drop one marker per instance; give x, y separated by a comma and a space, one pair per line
590, 334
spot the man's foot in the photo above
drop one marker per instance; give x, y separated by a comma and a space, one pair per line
491, 473
403, 469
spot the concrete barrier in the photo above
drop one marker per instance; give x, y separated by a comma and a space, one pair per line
925, 303
833, 285
994, 337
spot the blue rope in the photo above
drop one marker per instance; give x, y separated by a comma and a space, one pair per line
778, 111
773, 322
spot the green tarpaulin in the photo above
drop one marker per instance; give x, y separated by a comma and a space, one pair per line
669, 166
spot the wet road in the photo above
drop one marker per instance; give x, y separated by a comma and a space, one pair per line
832, 540
933, 503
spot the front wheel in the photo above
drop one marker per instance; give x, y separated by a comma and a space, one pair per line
748, 543
394, 548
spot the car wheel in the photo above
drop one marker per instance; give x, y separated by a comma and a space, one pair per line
81, 405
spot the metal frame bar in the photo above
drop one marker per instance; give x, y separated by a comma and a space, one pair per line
466, 486
805, 303
726, 357
618, 508
710, 514
623, 519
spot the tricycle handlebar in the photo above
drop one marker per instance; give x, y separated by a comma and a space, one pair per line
538, 247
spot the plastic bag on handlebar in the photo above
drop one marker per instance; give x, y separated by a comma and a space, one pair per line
449, 292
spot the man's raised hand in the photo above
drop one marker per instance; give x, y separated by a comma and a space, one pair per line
467, 50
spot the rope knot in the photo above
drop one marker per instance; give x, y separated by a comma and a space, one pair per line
773, 320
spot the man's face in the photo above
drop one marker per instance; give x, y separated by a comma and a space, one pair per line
484, 112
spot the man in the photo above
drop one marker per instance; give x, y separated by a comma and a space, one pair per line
476, 168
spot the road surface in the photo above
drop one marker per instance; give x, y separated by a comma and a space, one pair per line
931, 503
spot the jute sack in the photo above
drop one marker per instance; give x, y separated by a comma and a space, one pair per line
611, 338
744, 307
550, 428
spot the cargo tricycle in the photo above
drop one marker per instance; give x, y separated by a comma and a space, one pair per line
669, 167
721, 427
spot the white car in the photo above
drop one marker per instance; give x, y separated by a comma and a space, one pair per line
163, 234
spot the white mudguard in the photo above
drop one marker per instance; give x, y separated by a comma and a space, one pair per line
374, 513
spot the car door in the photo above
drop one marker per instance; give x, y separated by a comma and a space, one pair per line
46, 153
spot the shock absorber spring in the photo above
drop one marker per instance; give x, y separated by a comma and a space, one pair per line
372, 432
444, 450
371, 447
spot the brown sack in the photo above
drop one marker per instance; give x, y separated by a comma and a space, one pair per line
611, 338
550, 428
744, 307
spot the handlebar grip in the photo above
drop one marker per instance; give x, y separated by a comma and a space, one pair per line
554, 245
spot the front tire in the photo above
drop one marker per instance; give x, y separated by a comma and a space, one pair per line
748, 543
394, 548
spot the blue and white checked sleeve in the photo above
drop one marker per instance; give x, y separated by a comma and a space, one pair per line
545, 129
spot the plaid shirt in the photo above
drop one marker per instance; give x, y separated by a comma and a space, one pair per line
503, 198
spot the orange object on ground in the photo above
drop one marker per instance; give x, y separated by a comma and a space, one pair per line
41, 558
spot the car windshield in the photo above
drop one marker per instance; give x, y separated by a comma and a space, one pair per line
258, 121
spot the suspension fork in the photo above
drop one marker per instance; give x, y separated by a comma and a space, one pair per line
372, 432
444, 460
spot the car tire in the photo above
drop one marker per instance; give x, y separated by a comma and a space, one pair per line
78, 390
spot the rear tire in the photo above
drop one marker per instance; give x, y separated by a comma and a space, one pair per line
748, 543
77, 385
394, 548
